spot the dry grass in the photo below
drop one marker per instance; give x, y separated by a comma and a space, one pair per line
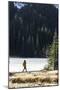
33, 78
27, 80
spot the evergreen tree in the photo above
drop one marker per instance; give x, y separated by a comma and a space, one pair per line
53, 54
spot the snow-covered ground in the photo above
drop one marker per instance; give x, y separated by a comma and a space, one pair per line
33, 64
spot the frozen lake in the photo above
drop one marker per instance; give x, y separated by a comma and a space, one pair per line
33, 64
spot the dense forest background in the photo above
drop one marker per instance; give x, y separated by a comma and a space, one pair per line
33, 29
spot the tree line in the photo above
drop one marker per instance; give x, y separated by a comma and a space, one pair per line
32, 29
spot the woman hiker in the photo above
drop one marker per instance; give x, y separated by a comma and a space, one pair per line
24, 66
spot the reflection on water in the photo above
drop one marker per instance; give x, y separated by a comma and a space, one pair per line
33, 64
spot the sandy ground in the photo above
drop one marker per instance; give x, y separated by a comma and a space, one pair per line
32, 79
